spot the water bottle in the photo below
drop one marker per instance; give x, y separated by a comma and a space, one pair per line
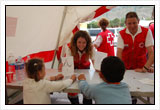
28, 58
11, 65
19, 66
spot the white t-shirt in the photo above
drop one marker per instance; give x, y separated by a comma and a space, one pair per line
39, 92
149, 38
98, 41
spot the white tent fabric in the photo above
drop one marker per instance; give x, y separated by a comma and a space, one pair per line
39, 31
35, 28
38, 26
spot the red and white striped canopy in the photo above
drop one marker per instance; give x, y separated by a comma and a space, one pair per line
37, 27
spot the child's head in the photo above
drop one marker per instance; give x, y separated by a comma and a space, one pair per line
81, 41
35, 69
112, 69
103, 23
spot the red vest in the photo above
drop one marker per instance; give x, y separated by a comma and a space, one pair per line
151, 27
107, 43
134, 53
81, 63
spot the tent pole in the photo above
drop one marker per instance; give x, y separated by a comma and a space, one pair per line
57, 44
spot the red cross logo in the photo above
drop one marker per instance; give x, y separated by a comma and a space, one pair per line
110, 39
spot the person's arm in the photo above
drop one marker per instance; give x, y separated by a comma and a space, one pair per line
119, 53
95, 45
84, 87
120, 46
57, 77
149, 45
60, 67
97, 42
93, 55
56, 86
149, 62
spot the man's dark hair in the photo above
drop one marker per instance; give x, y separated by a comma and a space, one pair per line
113, 69
132, 15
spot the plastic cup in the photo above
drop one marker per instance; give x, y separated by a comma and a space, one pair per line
11, 68
7, 66
9, 76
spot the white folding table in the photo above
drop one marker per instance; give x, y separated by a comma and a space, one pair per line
132, 78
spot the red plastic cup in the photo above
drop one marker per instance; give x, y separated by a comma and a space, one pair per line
9, 76
11, 68
7, 66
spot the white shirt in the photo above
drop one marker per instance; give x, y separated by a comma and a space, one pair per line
39, 92
149, 38
98, 41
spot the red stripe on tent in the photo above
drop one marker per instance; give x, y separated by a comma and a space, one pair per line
75, 30
101, 11
47, 56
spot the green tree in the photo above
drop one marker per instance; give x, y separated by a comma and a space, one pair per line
122, 22
93, 24
116, 22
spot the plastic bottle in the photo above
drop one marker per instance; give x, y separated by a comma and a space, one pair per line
19, 66
28, 58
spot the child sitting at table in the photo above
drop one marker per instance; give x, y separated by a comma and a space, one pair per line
37, 89
111, 90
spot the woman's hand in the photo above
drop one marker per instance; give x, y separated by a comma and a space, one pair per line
143, 70
151, 70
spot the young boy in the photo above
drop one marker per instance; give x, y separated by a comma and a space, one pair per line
112, 90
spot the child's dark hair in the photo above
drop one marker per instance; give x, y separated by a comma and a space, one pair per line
33, 66
113, 69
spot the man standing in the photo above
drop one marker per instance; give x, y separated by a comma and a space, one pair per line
133, 42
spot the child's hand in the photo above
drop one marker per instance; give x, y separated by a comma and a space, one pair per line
59, 77
60, 67
52, 78
81, 77
73, 77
